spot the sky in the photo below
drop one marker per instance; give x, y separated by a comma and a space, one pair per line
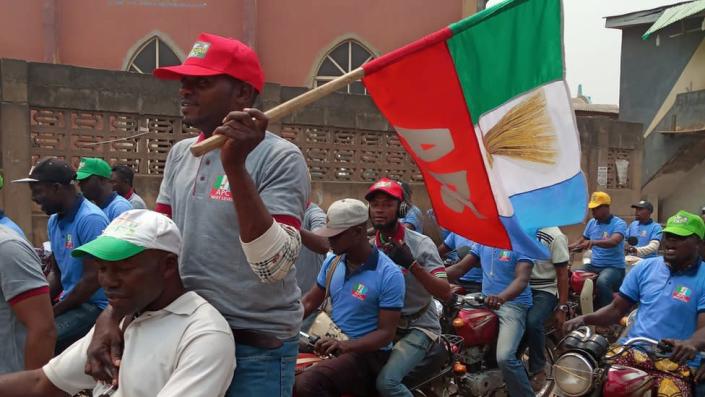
592, 51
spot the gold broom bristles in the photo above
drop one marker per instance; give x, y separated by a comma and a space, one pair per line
525, 132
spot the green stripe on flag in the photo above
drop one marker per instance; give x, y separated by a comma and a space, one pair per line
507, 50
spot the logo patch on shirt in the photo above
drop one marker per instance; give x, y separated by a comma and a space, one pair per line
505, 256
605, 235
360, 292
682, 293
643, 233
199, 50
221, 189
69, 242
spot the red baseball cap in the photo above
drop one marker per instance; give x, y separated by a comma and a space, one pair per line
212, 55
388, 186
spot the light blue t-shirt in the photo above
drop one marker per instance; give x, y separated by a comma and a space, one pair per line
606, 257
8, 223
645, 233
79, 226
669, 303
357, 298
499, 270
116, 206
454, 241
414, 217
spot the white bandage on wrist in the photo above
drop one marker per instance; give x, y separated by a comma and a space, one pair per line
648, 249
272, 255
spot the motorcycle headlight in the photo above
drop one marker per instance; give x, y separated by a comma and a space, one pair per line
573, 374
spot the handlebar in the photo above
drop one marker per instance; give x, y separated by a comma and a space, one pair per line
474, 300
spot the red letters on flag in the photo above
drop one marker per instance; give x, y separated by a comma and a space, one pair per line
421, 97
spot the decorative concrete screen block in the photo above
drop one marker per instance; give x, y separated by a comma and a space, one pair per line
141, 141
619, 178
351, 155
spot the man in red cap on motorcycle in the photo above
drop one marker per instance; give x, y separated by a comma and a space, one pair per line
670, 292
425, 278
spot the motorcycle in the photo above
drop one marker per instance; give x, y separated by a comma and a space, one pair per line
478, 375
582, 368
433, 377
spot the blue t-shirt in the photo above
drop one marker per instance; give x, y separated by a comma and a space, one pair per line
358, 297
116, 206
454, 241
669, 303
414, 217
606, 257
8, 223
645, 233
499, 270
79, 226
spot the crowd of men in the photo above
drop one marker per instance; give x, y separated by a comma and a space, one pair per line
206, 295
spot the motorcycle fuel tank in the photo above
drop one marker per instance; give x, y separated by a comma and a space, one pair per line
622, 381
577, 279
477, 326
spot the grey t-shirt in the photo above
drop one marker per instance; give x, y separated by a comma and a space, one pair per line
137, 202
20, 272
309, 263
543, 275
212, 262
417, 298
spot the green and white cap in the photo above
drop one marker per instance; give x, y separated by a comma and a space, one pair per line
131, 233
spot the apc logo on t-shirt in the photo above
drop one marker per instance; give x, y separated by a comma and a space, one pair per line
360, 292
682, 293
505, 256
221, 189
69, 242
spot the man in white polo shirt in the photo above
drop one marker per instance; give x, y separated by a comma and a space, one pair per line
176, 343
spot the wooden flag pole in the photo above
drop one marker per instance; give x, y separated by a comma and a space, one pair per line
286, 108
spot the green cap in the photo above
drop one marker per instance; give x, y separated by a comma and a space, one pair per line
685, 224
93, 166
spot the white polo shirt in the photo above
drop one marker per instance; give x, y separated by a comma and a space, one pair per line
185, 349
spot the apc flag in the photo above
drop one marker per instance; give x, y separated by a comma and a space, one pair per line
483, 109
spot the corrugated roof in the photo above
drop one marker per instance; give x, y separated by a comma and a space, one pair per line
675, 14
641, 17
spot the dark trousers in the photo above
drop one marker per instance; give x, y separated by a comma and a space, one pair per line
350, 373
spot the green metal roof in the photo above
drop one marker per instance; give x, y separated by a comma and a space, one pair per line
675, 14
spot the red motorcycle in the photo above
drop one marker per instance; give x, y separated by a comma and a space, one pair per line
478, 375
433, 377
583, 370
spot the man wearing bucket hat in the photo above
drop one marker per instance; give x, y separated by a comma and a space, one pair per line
424, 277
94, 178
240, 208
176, 343
73, 221
367, 294
669, 289
604, 234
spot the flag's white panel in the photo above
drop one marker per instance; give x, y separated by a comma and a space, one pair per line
511, 175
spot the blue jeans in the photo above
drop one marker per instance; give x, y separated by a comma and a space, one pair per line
264, 372
74, 325
608, 282
543, 305
512, 323
407, 353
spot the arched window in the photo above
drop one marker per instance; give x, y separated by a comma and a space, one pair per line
152, 54
345, 57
